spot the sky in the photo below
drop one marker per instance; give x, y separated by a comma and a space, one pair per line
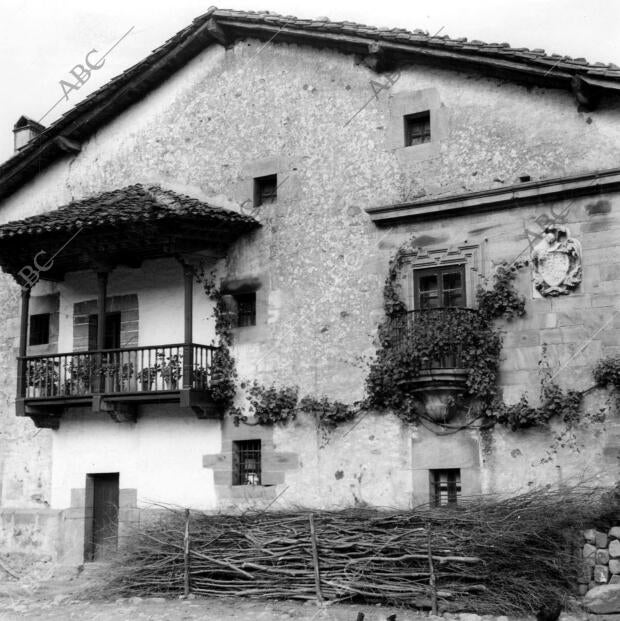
42, 40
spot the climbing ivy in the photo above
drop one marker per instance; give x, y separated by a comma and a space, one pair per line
223, 368
329, 414
271, 405
607, 372
502, 299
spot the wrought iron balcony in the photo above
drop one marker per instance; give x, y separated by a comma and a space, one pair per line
111, 378
434, 342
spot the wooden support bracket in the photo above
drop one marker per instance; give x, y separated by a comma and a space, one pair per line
119, 412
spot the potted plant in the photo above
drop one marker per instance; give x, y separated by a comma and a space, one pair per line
109, 373
82, 370
147, 377
126, 375
170, 370
42, 378
200, 378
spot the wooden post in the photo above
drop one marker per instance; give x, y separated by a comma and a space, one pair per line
186, 555
315, 560
431, 568
23, 343
102, 292
188, 351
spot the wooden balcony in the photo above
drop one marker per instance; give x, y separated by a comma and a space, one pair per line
115, 381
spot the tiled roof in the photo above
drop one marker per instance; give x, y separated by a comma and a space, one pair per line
133, 204
226, 26
419, 38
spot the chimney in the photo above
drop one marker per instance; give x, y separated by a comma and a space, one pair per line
25, 130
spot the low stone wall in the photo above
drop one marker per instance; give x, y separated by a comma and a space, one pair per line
600, 582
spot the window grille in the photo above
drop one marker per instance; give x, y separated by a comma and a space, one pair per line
39, 329
265, 190
417, 128
445, 487
247, 462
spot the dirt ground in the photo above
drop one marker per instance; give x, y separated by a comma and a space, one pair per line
48, 593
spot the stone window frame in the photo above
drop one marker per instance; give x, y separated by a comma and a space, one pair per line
469, 255
409, 103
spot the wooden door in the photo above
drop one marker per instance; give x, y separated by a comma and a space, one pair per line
105, 516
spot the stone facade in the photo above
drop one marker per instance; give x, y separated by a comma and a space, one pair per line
233, 114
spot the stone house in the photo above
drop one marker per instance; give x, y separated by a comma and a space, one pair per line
283, 163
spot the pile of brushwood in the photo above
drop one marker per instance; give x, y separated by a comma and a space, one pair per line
487, 555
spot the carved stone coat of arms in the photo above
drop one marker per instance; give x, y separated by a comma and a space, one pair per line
556, 262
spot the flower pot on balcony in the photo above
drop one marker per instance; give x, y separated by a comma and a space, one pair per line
439, 391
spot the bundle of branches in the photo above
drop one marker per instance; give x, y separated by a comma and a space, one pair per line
488, 555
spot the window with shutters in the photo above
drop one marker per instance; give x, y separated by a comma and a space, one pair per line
439, 287
417, 128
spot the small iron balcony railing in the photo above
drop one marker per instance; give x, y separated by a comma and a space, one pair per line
115, 371
437, 328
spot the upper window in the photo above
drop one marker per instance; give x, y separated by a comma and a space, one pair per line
439, 287
247, 462
417, 128
445, 487
265, 190
39, 329
246, 309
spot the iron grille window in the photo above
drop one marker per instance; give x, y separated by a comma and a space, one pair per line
417, 128
442, 287
247, 462
39, 329
265, 190
445, 487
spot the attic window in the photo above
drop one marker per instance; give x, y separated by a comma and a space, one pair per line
265, 190
445, 487
417, 128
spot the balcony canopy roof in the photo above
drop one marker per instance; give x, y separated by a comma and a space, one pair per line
121, 227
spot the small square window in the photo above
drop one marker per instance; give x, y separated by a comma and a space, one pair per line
265, 190
445, 487
39, 329
246, 309
247, 462
417, 128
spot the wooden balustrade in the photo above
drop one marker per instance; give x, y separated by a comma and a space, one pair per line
154, 368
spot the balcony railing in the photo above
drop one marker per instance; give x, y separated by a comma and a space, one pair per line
438, 329
115, 371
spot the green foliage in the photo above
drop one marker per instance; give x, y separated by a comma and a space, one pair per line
224, 371
554, 403
607, 372
454, 337
271, 405
329, 414
502, 299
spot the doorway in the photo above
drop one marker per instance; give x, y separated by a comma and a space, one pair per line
101, 528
